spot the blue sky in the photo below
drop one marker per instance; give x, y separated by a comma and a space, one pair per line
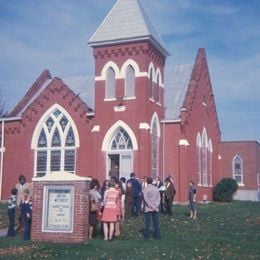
53, 34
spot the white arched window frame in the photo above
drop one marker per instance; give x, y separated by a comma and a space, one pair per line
54, 142
130, 81
204, 159
237, 169
159, 84
151, 73
110, 83
198, 145
155, 139
210, 168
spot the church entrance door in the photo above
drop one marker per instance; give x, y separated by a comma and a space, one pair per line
120, 165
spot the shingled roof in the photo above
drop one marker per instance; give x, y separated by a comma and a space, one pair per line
127, 22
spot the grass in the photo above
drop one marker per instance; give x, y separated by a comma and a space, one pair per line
222, 231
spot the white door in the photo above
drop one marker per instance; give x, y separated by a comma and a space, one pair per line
126, 165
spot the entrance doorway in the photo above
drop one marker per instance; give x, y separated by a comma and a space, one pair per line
120, 165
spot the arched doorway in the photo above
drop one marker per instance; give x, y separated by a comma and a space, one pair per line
120, 154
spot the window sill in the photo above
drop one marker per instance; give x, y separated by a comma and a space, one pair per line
109, 99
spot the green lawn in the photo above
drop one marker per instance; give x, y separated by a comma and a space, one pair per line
222, 231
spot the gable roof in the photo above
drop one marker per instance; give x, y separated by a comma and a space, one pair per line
176, 82
127, 22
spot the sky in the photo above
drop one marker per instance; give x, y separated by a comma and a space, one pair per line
53, 34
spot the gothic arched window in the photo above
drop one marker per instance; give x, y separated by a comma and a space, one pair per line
56, 145
151, 83
204, 159
130, 82
198, 144
121, 140
155, 147
158, 89
110, 83
237, 167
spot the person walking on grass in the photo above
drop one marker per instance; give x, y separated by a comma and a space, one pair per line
192, 200
152, 200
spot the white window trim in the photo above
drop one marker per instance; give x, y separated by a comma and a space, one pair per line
41, 125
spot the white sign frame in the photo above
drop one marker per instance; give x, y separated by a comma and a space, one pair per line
63, 196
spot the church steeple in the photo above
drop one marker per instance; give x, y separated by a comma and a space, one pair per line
127, 22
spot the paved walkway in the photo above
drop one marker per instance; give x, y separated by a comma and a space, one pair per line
3, 232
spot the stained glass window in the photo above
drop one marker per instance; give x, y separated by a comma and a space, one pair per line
41, 163
158, 89
42, 141
121, 140
56, 142
55, 160
151, 83
238, 169
154, 148
63, 122
70, 140
69, 162
204, 159
56, 113
199, 158
56, 136
49, 123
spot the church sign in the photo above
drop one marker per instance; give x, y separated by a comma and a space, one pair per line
58, 208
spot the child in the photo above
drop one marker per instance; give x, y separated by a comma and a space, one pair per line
129, 200
11, 212
26, 209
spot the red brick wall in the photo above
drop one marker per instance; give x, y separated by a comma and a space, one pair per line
250, 154
19, 157
139, 110
80, 211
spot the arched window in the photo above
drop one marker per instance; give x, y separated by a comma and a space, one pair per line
110, 83
210, 153
121, 140
158, 89
198, 144
155, 147
237, 167
56, 145
151, 83
204, 159
130, 82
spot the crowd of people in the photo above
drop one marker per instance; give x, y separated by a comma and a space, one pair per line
119, 200
114, 203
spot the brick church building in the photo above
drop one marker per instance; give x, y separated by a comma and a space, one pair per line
135, 114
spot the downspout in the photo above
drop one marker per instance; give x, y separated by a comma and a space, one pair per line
2, 158
163, 152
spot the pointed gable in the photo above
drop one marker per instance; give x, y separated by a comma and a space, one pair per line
127, 22
176, 83
41, 82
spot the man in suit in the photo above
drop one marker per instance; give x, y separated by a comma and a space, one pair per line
136, 186
169, 195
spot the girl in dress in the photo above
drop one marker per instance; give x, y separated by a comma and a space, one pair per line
110, 213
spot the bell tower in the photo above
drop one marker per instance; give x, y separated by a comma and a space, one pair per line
129, 77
